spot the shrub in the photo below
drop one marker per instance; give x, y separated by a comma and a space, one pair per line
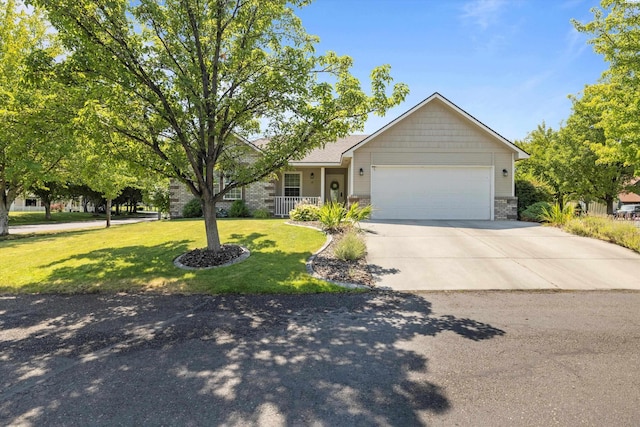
350, 247
557, 215
193, 209
355, 214
239, 209
332, 216
305, 212
534, 212
530, 192
261, 213
335, 217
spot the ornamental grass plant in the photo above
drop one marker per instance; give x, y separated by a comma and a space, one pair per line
556, 215
623, 233
350, 246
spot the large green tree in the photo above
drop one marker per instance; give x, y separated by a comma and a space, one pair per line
548, 161
32, 139
186, 80
615, 31
598, 173
574, 161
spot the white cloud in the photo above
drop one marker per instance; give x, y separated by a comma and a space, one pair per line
483, 13
576, 44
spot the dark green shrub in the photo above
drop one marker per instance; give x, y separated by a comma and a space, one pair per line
534, 212
239, 209
530, 192
261, 214
305, 212
193, 209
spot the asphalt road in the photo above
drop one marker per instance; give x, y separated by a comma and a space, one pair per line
468, 359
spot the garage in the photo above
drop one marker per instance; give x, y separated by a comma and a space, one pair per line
432, 192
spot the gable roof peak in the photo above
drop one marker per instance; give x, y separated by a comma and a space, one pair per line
520, 154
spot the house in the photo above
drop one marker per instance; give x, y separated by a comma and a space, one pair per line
435, 161
633, 196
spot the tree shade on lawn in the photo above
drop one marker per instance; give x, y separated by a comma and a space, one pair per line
139, 257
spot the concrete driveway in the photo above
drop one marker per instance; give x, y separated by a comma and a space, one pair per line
475, 255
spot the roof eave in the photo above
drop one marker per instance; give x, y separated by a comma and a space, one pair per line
316, 164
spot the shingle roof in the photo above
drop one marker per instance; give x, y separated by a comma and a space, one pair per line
331, 153
631, 197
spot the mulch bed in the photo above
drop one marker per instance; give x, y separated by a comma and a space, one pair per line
203, 258
326, 265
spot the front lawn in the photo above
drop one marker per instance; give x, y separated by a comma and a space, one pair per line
139, 257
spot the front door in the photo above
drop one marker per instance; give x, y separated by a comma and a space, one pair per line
334, 190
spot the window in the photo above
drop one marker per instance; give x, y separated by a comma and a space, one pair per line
292, 184
234, 194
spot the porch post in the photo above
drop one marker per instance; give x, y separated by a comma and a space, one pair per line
322, 179
351, 174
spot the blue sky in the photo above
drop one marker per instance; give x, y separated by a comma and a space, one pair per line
509, 63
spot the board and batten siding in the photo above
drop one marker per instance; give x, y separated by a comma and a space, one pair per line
434, 135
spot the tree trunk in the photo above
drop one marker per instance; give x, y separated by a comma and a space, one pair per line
4, 219
211, 225
47, 211
609, 201
6, 199
108, 213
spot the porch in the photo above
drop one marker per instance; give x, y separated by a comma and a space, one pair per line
285, 204
311, 185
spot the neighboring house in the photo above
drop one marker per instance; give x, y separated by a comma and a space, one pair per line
435, 161
31, 203
631, 198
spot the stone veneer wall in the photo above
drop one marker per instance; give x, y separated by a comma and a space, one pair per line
179, 196
258, 195
506, 208
362, 200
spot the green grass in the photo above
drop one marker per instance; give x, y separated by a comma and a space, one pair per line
139, 257
30, 218
623, 233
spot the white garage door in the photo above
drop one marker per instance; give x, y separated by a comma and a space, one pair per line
431, 192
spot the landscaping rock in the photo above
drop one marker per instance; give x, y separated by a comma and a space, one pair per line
326, 265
